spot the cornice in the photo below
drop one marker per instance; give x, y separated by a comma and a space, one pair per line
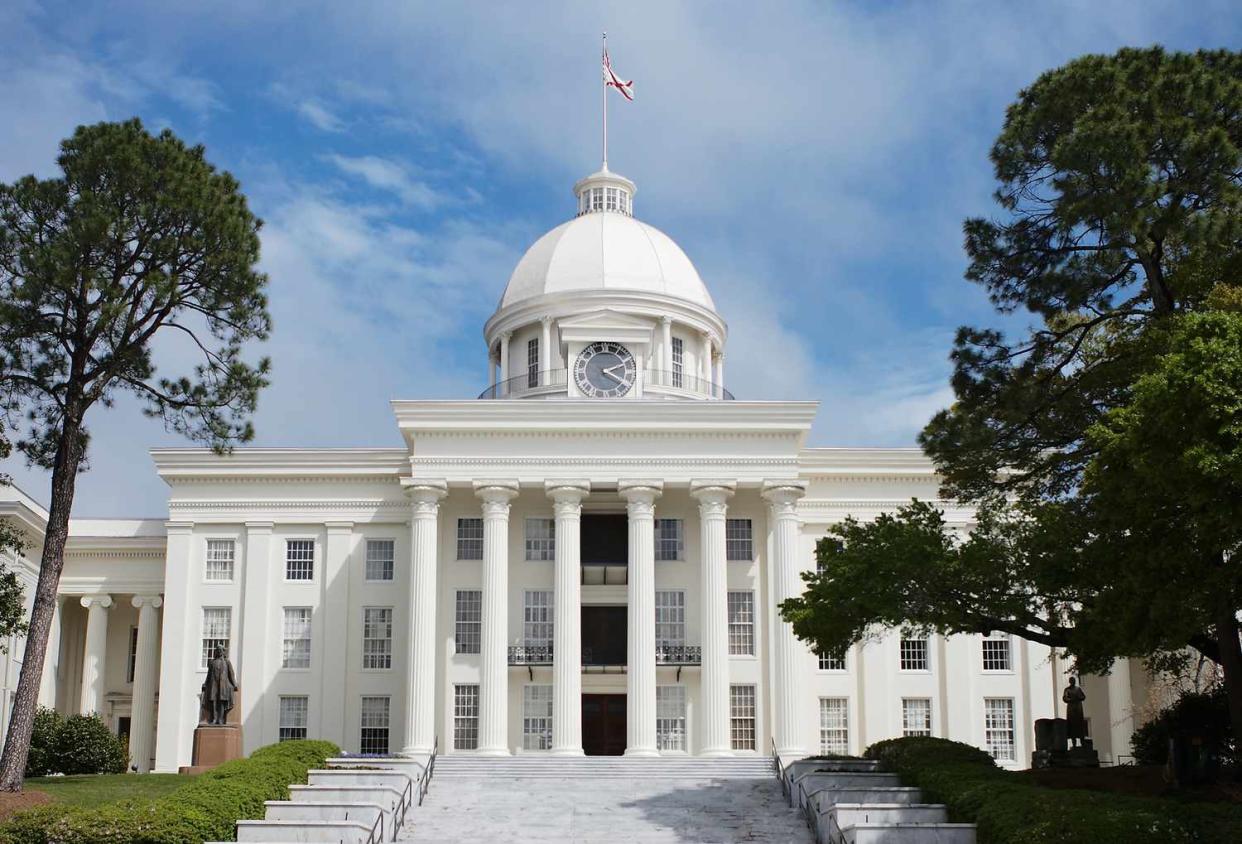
301, 463
252, 505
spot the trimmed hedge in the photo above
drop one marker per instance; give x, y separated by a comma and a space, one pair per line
204, 809
1011, 811
79, 744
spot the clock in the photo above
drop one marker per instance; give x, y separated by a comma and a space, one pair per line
604, 370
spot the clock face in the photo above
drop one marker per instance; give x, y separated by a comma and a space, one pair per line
604, 370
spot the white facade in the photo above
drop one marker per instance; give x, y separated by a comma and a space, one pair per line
468, 591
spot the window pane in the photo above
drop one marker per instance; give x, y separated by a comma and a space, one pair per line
742, 717
671, 717
998, 727
738, 540
834, 725
377, 637
916, 716
296, 650
668, 539
541, 539
216, 631
670, 616
996, 652
379, 559
914, 655
532, 362
373, 737
469, 539
300, 559
469, 620
537, 619
832, 662
742, 623
293, 716
679, 361
537, 718
465, 717
219, 562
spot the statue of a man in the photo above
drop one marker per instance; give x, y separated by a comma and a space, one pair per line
218, 688
1075, 720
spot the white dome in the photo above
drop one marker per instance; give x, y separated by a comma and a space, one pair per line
605, 251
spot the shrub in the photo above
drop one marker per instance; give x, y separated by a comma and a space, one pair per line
85, 745
43, 743
1202, 714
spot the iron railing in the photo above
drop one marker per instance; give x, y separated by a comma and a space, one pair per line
548, 380
664, 654
424, 781
682, 381
679, 655
557, 381
530, 654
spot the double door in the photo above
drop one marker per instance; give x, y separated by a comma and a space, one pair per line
603, 725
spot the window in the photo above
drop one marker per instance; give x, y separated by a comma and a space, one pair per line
832, 661
532, 362
998, 727
465, 717
742, 623
597, 199
293, 718
379, 559
373, 732
537, 718
300, 559
916, 716
739, 543
217, 622
671, 717
219, 562
537, 619
469, 539
296, 652
612, 199
996, 652
377, 637
679, 362
834, 725
469, 620
742, 717
913, 654
131, 661
541, 539
669, 544
670, 618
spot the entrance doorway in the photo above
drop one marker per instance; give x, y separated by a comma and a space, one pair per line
603, 725
604, 635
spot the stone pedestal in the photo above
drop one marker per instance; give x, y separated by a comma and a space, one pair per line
214, 745
1052, 747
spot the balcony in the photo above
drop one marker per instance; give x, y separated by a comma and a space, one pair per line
605, 574
679, 655
555, 382
665, 655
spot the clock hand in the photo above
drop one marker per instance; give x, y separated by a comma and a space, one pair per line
609, 371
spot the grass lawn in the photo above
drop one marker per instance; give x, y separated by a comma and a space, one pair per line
95, 790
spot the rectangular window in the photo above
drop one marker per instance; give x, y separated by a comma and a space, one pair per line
834, 725
469, 539
913, 654
296, 650
532, 362
541, 539
679, 362
742, 716
131, 661
670, 618
219, 563
380, 559
293, 718
537, 619
916, 716
996, 652
742, 623
465, 717
217, 623
671, 717
377, 637
469, 620
739, 540
373, 732
998, 727
537, 718
612, 199
832, 661
669, 544
300, 559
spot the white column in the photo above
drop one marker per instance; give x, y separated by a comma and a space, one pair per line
640, 680
93, 657
1120, 708
491, 369
666, 348
788, 695
567, 617
420, 667
713, 499
146, 670
259, 623
718, 377
505, 374
546, 358
178, 704
51, 662
334, 619
494, 636
705, 359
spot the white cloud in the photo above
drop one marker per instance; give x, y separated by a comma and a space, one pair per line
389, 175
318, 116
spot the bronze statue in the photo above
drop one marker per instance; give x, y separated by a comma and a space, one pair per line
1075, 720
218, 688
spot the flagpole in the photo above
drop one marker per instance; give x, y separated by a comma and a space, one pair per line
603, 87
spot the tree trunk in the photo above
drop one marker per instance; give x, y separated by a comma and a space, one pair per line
1231, 666
21, 723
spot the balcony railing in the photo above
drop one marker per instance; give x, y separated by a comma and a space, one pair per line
665, 655
530, 654
556, 381
679, 655
683, 381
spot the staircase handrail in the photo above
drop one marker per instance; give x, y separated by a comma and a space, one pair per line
376, 835
424, 781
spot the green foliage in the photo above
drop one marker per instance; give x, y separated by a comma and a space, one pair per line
1201, 714
85, 745
1009, 810
205, 809
42, 760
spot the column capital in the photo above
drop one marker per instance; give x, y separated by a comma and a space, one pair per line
640, 495
494, 491
666, 320
505, 336
89, 601
570, 490
782, 496
425, 494
153, 601
546, 319
712, 493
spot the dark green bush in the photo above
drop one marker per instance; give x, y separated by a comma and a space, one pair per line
85, 745
205, 809
43, 740
1204, 715
1009, 810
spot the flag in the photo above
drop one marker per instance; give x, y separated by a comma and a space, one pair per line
613, 81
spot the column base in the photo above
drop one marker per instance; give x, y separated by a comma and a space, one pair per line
414, 751
717, 752
493, 751
566, 751
641, 751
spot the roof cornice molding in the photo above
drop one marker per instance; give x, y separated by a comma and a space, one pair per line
572, 303
885, 462
302, 464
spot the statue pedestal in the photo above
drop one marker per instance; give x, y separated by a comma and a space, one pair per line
214, 745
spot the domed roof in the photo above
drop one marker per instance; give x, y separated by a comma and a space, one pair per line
605, 250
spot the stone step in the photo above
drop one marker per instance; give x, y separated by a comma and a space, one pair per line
830, 825
303, 832
824, 799
371, 815
913, 833
809, 783
795, 769
358, 776
411, 766
612, 767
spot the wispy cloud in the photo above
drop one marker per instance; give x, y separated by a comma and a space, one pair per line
390, 176
319, 116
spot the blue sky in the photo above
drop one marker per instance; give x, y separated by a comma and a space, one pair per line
814, 159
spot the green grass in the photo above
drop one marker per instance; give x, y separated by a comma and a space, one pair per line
90, 790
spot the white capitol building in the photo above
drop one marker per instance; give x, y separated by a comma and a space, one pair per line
588, 558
